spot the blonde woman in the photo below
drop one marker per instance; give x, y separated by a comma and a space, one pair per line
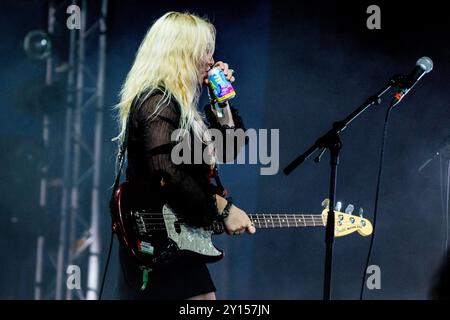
159, 96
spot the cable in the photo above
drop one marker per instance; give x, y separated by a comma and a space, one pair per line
442, 194
111, 241
445, 199
377, 193
446, 212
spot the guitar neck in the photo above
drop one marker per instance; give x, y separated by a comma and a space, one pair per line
286, 220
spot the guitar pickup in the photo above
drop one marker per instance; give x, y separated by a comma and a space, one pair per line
141, 229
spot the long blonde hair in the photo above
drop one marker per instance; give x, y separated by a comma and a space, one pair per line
169, 58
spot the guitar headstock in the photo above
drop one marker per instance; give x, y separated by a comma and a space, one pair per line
346, 222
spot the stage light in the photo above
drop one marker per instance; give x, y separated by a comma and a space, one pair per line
37, 44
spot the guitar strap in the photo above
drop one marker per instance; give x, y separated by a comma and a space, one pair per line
119, 167
123, 147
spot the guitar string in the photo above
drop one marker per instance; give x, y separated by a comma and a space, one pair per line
277, 223
261, 221
289, 220
257, 215
256, 218
263, 225
156, 226
221, 228
281, 215
274, 221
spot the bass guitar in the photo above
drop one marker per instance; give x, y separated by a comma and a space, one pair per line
155, 238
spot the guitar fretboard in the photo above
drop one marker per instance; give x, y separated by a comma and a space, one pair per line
286, 220
155, 221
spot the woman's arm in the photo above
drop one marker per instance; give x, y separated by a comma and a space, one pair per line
231, 127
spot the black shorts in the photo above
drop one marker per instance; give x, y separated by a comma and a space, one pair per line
182, 278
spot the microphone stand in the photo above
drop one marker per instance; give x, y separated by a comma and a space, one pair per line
331, 141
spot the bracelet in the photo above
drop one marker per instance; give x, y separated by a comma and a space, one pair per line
226, 211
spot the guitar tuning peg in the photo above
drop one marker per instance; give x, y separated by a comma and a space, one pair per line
349, 209
326, 203
361, 211
338, 206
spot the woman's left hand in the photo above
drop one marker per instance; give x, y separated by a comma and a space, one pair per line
226, 69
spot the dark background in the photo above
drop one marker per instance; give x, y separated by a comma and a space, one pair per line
299, 67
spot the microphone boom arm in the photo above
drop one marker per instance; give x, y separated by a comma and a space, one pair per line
340, 126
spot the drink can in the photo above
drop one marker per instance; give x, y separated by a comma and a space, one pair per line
220, 86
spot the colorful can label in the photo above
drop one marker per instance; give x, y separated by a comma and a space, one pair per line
220, 86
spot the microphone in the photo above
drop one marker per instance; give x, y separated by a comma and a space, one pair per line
423, 66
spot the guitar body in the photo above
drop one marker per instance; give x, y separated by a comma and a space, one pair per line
157, 238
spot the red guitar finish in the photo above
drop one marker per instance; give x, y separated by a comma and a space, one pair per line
123, 227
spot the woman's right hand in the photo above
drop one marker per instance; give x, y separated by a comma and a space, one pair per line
238, 222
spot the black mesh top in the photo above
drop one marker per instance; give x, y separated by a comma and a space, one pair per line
186, 188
